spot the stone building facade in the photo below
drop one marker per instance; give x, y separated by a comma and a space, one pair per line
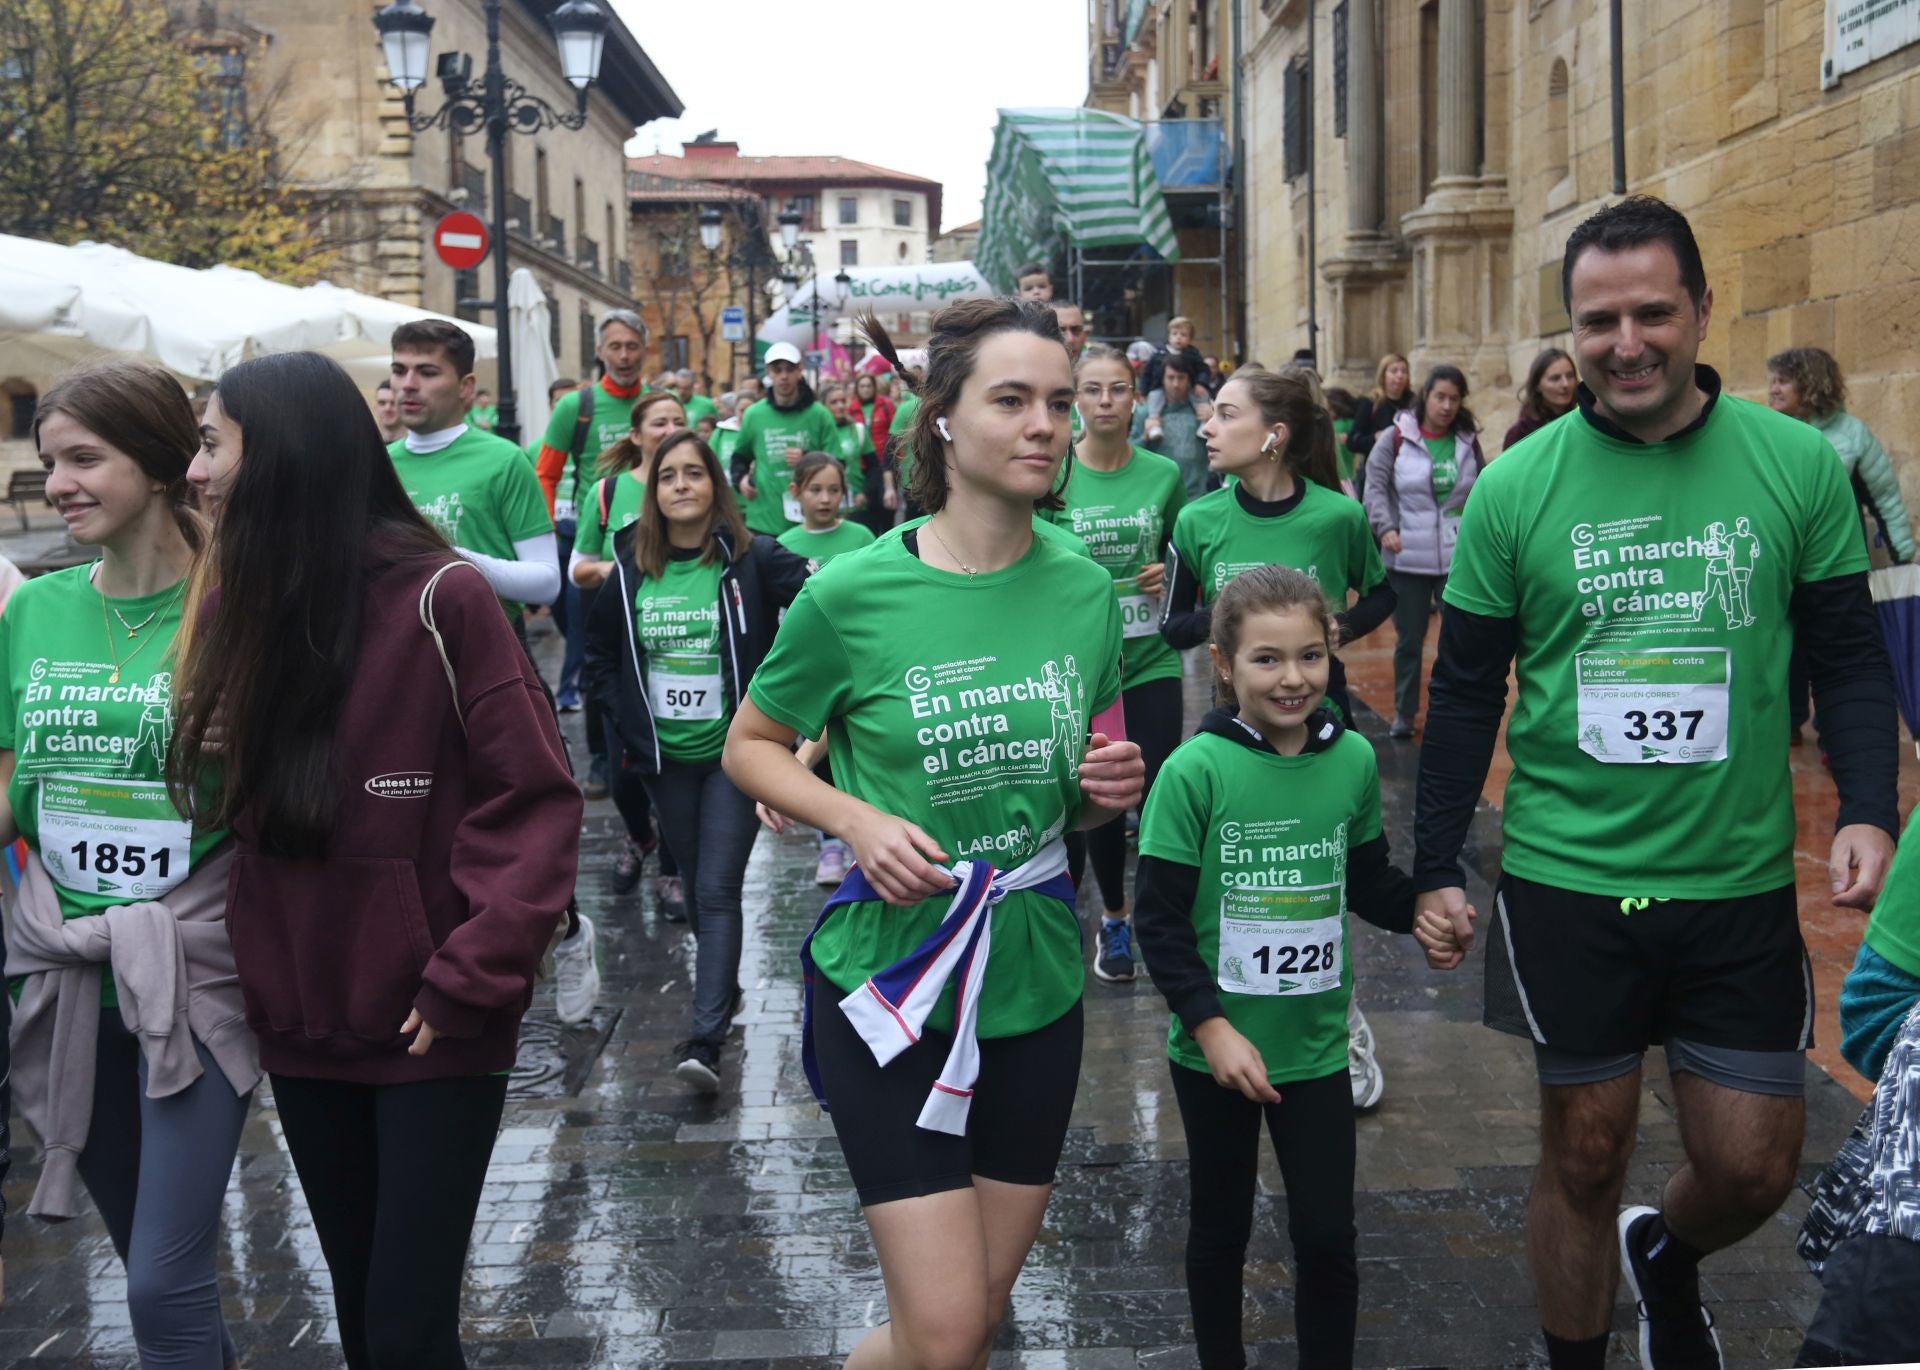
1455, 143
346, 131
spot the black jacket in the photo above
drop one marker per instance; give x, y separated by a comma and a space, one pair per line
1165, 891
753, 589
1370, 417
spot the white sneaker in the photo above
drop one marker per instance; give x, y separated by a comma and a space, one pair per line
576, 974
1368, 1081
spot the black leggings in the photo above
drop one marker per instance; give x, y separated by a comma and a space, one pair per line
392, 1174
629, 790
1313, 1137
1154, 711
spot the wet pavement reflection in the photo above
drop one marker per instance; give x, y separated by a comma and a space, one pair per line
628, 1222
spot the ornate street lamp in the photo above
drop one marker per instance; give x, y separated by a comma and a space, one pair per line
499, 106
710, 221
790, 222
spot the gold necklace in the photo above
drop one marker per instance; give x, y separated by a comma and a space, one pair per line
133, 629
971, 571
118, 664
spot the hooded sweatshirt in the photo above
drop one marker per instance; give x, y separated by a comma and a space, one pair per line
767, 430
452, 857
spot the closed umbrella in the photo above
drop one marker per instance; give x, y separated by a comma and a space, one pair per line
534, 368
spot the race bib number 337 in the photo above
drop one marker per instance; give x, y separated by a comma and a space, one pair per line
1667, 705
1282, 941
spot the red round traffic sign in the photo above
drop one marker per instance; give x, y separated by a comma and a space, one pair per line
461, 240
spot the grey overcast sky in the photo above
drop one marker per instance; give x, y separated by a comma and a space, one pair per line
911, 85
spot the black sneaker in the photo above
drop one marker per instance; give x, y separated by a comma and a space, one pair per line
1676, 1331
596, 786
671, 898
699, 1065
626, 866
737, 1005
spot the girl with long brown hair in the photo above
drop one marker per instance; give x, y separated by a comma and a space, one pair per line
1548, 393
958, 725
86, 664
359, 711
675, 635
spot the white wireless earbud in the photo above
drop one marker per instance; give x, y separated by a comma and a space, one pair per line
1267, 446
940, 427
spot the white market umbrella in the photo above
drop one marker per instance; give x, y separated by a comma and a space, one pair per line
534, 368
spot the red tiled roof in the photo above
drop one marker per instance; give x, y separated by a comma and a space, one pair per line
650, 187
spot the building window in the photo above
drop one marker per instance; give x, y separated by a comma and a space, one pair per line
553, 323
809, 212
1559, 151
540, 205
849, 209
587, 338
1340, 69
466, 286
903, 213
849, 252
903, 251
1296, 106
674, 352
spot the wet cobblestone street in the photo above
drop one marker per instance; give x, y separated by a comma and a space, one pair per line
628, 1222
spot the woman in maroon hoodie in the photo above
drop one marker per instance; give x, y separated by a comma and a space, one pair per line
357, 710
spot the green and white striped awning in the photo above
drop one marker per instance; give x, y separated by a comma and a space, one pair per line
1077, 176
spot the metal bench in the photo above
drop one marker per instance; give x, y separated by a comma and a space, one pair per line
26, 488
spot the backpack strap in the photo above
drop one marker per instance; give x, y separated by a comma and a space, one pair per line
582, 422
427, 620
606, 500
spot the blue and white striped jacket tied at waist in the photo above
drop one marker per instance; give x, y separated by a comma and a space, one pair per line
890, 1009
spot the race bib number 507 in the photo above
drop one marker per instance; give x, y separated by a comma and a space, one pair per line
1667, 705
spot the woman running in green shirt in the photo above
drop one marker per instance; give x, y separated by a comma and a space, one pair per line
957, 720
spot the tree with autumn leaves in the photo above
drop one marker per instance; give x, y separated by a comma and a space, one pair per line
120, 125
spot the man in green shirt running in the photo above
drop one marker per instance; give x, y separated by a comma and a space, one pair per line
774, 434
1649, 834
695, 404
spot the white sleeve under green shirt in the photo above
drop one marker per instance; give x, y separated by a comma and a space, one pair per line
1269, 835
1124, 517
1651, 586
89, 741
477, 492
950, 702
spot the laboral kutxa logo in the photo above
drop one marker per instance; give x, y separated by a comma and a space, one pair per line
401, 785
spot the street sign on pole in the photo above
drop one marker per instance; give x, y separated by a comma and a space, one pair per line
460, 240
733, 323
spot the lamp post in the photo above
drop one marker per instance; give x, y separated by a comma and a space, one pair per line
748, 255
500, 106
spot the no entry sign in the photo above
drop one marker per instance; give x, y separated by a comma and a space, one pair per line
461, 240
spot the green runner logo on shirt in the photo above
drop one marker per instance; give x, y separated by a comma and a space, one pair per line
444, 513
970, 728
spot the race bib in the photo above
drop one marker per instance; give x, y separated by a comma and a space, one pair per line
1139, 614
1282, 941
684, 685
1664, 705
116, 837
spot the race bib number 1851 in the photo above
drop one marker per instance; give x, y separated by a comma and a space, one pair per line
1667, 705
121, 838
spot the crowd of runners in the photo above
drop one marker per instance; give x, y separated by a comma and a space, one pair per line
294, 802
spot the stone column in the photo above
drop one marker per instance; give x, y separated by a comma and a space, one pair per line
1365, 148
1459, 91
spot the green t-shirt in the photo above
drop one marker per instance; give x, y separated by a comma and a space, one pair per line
477, 492
725, 439
1123, 517
484, 416
767, 433
612, 417
1650, 584
823, 546
852, 442
1446, 467
1894, 929
1270, 835
901, 426
696, 407
1342, 454
678, 617
949, 702
89, 750
1042, 527
594, 538
1325, 535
